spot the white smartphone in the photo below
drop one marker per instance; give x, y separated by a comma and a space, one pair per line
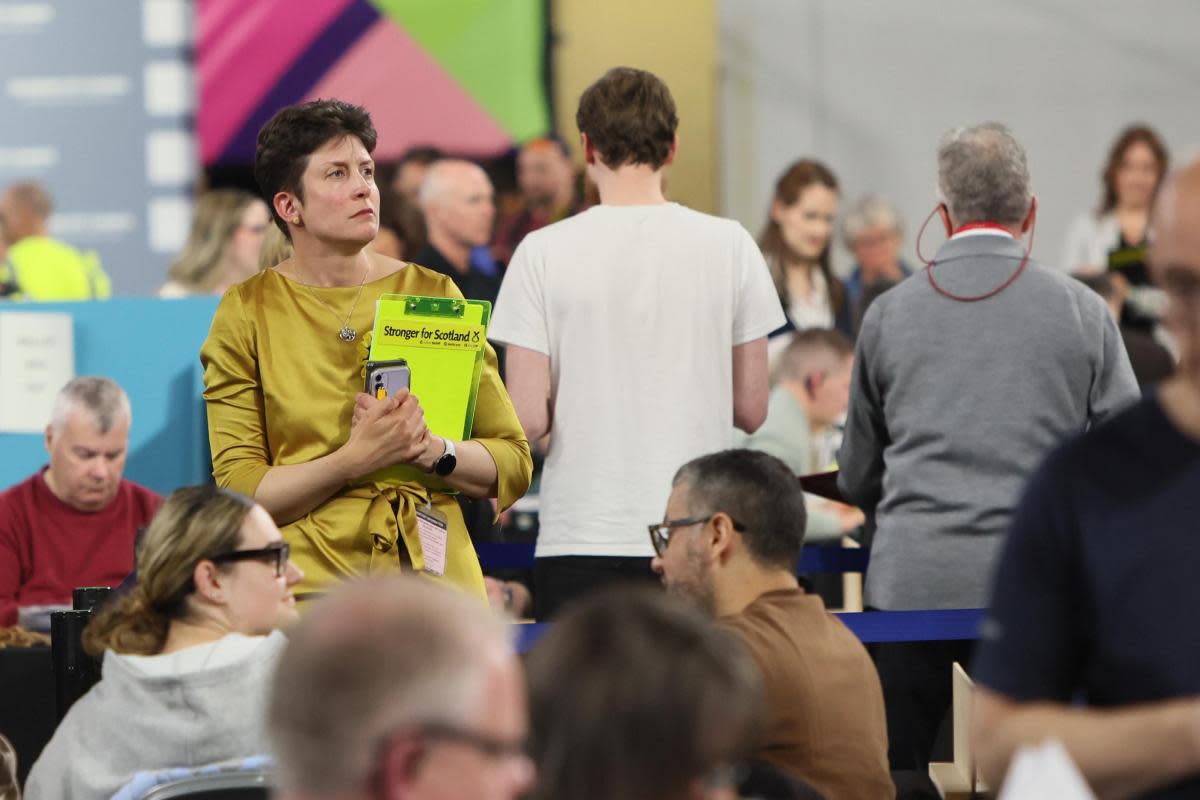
385, 378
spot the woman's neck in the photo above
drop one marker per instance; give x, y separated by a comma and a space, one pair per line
183, 634
326, 268
798, 276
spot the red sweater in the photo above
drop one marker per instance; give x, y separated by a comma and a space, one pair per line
47, 548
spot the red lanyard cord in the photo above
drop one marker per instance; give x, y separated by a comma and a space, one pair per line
929, 263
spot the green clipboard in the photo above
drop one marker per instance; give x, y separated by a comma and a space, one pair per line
443, 339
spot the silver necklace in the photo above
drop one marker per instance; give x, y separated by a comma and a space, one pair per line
346, 334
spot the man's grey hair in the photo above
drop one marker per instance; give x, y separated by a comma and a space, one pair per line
374, 658
983, 175
871, 211
101, 399
439, 180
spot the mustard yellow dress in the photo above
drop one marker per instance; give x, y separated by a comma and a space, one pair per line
279, 386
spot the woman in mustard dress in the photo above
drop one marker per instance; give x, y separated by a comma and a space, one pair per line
283, 375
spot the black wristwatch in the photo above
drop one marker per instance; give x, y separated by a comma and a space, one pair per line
446, 462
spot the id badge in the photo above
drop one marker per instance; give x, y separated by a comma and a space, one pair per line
433, 530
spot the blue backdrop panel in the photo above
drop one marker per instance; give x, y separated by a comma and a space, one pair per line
152, 348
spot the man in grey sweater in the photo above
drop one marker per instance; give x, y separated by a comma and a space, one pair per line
964, 377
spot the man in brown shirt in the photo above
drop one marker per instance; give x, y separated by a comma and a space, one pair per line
739, 519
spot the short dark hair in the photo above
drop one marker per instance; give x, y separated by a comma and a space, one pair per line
812, 347
629, 117
295, 133
634, 694
758, 491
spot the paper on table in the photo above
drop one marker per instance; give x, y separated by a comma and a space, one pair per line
1044, 772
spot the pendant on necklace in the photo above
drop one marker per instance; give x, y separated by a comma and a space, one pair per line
347, 334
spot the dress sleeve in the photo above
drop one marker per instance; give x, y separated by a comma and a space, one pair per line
1033, 639
237, 432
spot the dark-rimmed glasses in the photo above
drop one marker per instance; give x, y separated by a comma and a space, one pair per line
276, 551
660, 532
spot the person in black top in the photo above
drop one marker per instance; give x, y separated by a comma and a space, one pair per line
457, 200
1096, 591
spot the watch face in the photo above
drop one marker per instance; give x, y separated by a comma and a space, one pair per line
446, 464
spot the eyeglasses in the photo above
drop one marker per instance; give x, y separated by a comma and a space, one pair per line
660, 533
490, 746
276, 551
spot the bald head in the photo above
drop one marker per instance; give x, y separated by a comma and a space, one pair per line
446, 176
1175, 261
374, 657
1176, 223
24, 208
456, 198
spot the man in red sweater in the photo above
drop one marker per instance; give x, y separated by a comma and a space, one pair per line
74, 522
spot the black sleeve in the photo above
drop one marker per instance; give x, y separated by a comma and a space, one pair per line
1033, 638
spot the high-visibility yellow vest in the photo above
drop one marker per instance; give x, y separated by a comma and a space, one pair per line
41, 269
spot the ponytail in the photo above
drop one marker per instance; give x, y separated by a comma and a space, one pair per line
128, 626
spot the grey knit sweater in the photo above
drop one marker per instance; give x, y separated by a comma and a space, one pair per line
953, 404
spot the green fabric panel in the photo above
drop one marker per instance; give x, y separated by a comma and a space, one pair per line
493, 48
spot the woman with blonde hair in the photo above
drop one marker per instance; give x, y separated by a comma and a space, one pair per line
223, 246
187, 654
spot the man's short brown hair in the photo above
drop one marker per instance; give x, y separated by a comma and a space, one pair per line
629, 117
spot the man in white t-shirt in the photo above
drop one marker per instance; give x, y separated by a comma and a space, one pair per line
637, 338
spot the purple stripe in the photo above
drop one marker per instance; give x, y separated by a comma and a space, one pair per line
304, 74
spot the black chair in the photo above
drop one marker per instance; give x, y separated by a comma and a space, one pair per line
74, 670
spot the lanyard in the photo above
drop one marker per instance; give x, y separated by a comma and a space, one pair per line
970, 226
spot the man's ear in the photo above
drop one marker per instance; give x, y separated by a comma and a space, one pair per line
1027, 223
589, 149
721, 538
49, 436
944, 212
671, 153
399, 767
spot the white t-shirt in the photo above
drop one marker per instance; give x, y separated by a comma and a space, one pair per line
638, 308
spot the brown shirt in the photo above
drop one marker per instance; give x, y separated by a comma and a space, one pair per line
825, 722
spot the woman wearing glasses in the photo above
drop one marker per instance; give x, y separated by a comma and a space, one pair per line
187, 654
